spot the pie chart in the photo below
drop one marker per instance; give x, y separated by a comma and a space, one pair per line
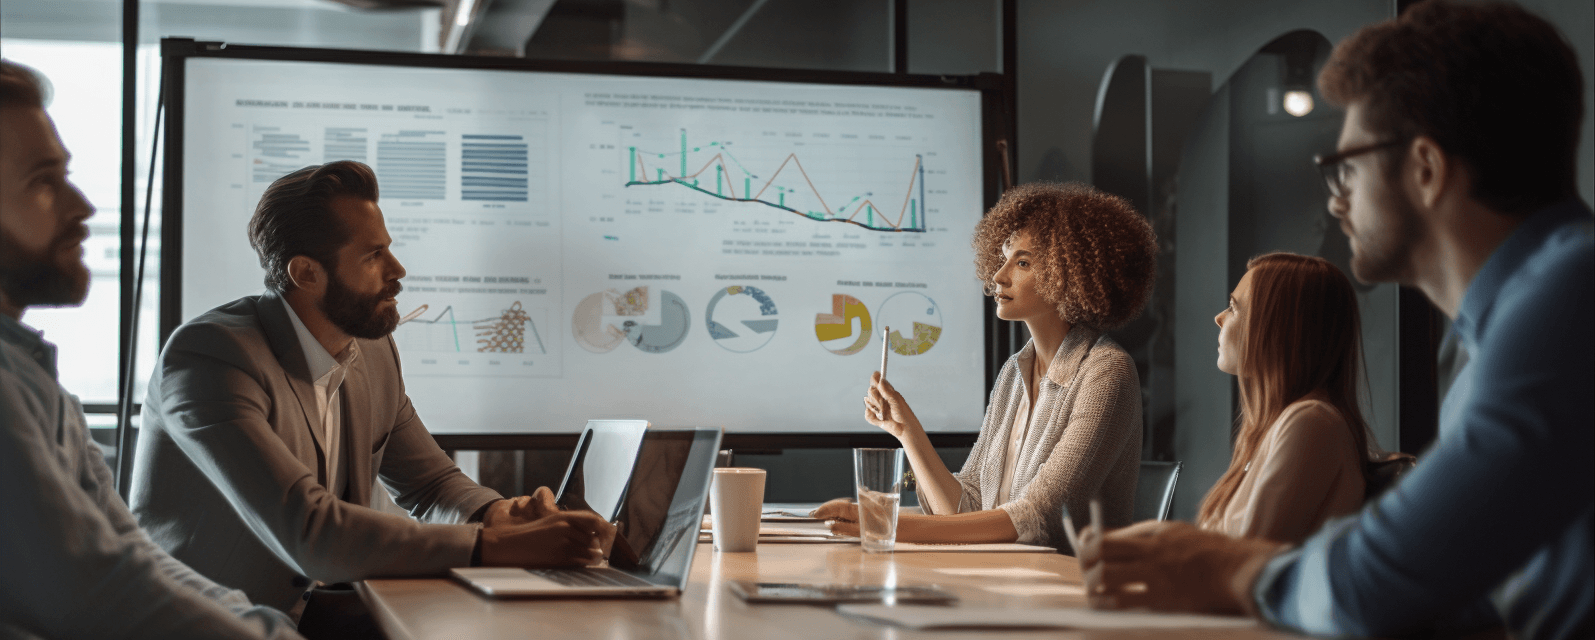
674, 320
596, 322
915, 322
846, 329
741, 319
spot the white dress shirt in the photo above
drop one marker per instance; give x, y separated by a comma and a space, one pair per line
327, 371
1017, 431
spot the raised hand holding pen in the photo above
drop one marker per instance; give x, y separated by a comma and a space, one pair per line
884, 407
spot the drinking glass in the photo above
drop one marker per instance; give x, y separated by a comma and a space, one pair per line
878, 480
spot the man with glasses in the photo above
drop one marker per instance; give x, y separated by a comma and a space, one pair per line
73, 563
1455, 174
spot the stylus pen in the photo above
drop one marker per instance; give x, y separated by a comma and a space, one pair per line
1070, 532
886, 341
1096, 517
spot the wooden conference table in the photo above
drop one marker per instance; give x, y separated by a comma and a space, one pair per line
417, 609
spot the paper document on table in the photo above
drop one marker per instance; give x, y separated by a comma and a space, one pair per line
792, 531
811, 532
763, 539
921, 618
1036, 589
997, 572
1000, 547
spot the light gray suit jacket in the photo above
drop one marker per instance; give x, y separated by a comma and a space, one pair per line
228, 467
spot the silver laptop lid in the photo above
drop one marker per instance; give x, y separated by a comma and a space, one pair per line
600, 469
663, 507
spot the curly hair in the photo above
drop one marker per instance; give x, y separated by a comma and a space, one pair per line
1098, 256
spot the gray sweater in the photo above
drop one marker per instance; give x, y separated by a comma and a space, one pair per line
73, 564
1084, 440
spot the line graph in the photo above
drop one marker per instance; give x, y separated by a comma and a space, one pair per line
860, 211
504, 333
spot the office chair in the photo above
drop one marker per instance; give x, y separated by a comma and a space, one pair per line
1154, 490
1379, 475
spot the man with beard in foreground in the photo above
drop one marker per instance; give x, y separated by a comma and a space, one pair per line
73, 564
268, 418
1455, 173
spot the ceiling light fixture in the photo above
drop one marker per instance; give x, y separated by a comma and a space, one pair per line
1298, 103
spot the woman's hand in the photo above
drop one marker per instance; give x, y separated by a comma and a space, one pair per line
840, 514
885, 408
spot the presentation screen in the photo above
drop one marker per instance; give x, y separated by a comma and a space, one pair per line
694, 252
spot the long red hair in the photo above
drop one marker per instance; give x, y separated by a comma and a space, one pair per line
1303, 335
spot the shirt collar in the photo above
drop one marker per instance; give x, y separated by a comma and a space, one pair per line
320, 362
30, 340
1076, 344
1509, 258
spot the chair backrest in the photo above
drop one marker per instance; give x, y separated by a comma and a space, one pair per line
1379, 475
1154, 490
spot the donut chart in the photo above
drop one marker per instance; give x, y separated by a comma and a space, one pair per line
916, 312
741, 319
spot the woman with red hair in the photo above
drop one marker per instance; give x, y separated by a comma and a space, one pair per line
1291, 334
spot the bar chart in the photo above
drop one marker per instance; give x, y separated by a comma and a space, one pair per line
493, 167
412, 165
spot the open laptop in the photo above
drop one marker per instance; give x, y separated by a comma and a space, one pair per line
658, 526
597, 477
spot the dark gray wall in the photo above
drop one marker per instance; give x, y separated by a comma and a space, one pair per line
1201, 260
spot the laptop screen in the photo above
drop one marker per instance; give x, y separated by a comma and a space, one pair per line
658, 524
596, 478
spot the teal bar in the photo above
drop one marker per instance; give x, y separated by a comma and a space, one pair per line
633, 164
683, 153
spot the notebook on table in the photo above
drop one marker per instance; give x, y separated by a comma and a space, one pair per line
657, 523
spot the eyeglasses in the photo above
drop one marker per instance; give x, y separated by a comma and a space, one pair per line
1333, 166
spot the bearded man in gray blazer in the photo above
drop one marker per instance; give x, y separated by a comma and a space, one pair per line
268, 418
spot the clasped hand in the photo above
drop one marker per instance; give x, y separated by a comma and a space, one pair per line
532, 531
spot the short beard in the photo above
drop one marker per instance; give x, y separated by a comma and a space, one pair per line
356, 314
1384, 252
36, 280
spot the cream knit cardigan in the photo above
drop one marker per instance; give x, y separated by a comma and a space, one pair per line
1084, 440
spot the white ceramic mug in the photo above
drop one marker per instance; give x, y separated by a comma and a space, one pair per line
736, 500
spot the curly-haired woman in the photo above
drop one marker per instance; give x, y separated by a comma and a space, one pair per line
1291, 334
1064, 421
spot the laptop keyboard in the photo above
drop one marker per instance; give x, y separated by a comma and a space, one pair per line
590, 578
